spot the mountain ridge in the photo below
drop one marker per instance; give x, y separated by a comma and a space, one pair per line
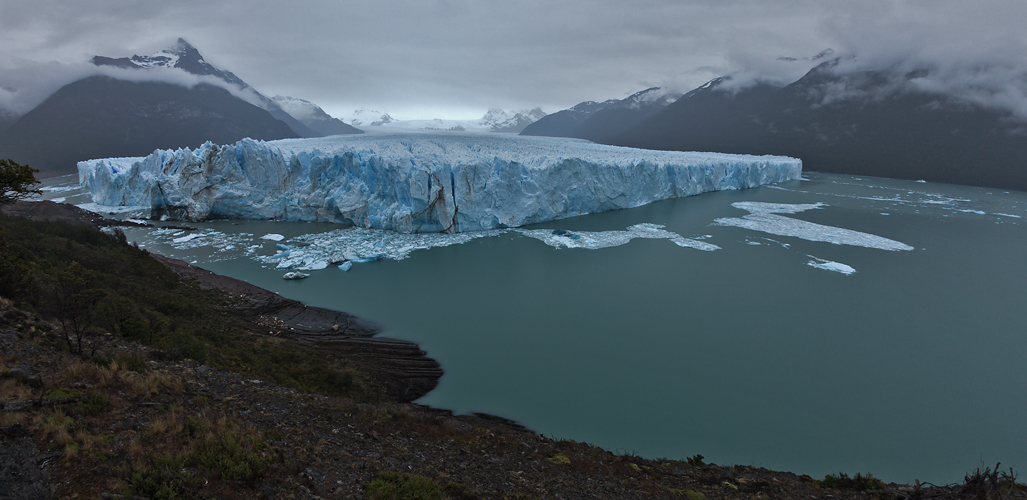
601, 121
868, 122
102, 116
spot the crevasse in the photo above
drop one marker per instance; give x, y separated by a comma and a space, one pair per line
417, 183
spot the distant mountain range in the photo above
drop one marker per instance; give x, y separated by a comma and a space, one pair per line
495, 120
602, 121
312, 116
513, 122
100, 116
878, 123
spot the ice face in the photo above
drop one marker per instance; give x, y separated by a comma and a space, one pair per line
417, 183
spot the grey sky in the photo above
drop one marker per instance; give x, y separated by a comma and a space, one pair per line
456, 58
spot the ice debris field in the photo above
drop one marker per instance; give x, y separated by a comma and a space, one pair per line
417, 183
345, 247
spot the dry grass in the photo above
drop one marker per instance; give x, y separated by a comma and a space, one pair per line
115, 376
56, 426
12, 390
9, 418
79, 372
172, 422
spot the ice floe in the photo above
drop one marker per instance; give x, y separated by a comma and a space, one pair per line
829, 265
593, 240
764, 217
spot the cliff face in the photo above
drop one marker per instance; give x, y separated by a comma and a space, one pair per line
418, 183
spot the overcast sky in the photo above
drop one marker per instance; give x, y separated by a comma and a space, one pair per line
456, 58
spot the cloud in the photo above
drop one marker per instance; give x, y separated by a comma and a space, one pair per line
459, 57
25, 84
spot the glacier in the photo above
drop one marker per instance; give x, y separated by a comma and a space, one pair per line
414, 183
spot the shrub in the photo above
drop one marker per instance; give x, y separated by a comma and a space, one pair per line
395, 486
858, 482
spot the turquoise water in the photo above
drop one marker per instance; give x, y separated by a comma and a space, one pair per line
910, 367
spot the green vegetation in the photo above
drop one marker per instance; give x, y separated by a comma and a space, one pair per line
393, 486
16, 181
559, 459
689, 494
94, 284
194, 450
697, 460
858, 482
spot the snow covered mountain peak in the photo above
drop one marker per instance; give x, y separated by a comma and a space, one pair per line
182, 55
312, 116
656, 96
498, 120
364, 117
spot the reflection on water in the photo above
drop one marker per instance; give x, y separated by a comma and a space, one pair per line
881, 331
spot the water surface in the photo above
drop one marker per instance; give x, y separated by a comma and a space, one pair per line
906, 361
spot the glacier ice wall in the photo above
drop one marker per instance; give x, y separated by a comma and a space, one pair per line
417, 183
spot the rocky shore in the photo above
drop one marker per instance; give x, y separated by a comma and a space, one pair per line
398, 365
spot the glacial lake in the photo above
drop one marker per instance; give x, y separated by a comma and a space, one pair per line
882, 331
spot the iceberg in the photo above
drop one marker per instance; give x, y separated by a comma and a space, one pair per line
416, 183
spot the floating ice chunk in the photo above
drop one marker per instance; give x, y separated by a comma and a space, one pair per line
293, 275
345, 266
356, 244
969, 211
313, 264
59, 189
283, 247
594, 240
101, 208
273, 237
1008, 215
828, 265
763, 217
186, 238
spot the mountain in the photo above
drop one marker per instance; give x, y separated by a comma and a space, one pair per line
102, 117
185, 57
601, 121
368, 118
99, 117
873, 122
313, 116
7, 118
497, 120
182, 55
